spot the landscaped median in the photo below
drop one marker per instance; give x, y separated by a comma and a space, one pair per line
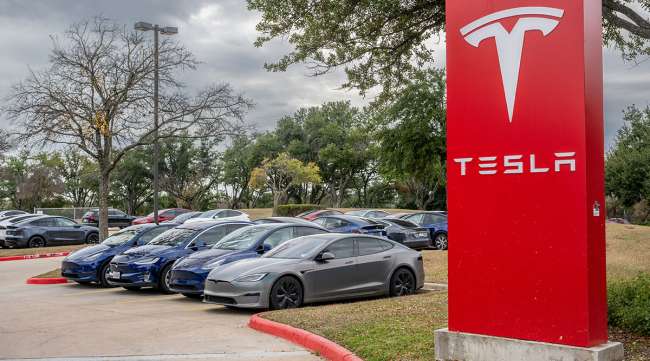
48, 278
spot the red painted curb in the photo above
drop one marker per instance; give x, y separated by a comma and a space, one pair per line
313, 342
46, 281
34, 256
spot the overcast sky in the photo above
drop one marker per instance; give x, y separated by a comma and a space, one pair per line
221, 34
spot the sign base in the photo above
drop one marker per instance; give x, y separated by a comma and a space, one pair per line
460, 346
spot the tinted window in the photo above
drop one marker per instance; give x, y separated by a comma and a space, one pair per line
296, 249
62, 222
243, 238
119, 238
173, 237
402, 223
280, 236
369, 246
416, 218
320, 221
42, 222
212, 235
335, 223
149, 235
342, 249
306, 231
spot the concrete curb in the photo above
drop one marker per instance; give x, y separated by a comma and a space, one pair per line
46, 281
308, 340
33, 256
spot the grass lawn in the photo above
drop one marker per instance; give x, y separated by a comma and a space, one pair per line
402, 328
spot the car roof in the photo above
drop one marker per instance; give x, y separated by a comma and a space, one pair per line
348, 218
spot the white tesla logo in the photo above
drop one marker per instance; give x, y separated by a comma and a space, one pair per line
510, 44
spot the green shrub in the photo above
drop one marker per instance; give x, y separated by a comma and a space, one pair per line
629, 305
292, 210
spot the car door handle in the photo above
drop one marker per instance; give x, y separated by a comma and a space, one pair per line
387, 257
349, 262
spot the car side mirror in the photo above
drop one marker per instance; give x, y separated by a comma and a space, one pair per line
263, 248
325, 256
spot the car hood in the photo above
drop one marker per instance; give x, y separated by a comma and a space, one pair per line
88, 251
147, 250
232, 271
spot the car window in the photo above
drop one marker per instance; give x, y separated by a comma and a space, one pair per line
149, 235
42, 223
120, 238
402, 223
211, 236
112, 212
336, 223
173, 237
62, 222
321, 221
279, 236
379, 214
438, 218
306, 231
416, 218
368, 246
236, 226
243, 238
296, 249
342, 249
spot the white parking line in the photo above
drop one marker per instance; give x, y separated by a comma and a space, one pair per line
202, 356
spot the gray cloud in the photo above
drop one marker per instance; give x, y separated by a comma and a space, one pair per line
221, 34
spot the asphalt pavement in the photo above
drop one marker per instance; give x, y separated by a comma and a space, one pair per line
78, 323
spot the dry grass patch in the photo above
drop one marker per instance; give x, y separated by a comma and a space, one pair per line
27, 251
377, 330
628, 251
435, 266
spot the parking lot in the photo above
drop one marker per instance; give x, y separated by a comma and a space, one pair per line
74, 322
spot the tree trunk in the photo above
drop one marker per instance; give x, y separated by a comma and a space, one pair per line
104, 184
279, 198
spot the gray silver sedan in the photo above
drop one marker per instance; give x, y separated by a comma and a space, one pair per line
323, 267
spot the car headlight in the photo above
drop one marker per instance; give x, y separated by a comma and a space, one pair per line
214, 264
93, 257
148, 260
252, 278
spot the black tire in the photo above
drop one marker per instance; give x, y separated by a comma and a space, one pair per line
132, 288
402, 283
92, 238
36, 242
196, 296
102, 275
440, 241
163, 282
286, 293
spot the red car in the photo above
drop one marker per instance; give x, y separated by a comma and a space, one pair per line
163, 215
311, 215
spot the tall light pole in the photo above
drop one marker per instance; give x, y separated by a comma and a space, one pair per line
165, 30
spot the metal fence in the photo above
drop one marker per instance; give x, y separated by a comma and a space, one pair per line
73, 213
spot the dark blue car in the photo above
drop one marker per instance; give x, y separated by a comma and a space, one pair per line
150, 265
351, 224
90, 264
188, 274
436, 223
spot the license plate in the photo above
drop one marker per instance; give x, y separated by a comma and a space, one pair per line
114, 275
422, 234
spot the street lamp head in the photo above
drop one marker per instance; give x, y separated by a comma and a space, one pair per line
142, 26
169, 30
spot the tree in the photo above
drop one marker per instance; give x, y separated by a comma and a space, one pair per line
282, 172
5, 144
413, 138
238, 163
96, 95
627, 170
190, 171
132, 186
383, 42
79, 175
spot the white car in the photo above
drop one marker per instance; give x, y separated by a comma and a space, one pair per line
220, 215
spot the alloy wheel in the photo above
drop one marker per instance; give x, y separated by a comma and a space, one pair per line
403, 283
36, 243
93, 238
441, 242
287, 293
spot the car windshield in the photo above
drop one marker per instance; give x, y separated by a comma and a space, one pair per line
185, 216
174, 237
299, 248
209, 214
120, 238
402, 223
242, 238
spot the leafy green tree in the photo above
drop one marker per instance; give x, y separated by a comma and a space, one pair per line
281, 173
238, 163
383, 42
80, 177
627, 170
412, 133
132, 186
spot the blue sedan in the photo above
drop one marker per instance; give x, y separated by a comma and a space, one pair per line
150, 265
91, 264
351, 224
436, 223
188, 274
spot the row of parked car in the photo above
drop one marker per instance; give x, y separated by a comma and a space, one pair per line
275, 262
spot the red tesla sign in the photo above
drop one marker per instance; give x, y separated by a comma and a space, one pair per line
525, 168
